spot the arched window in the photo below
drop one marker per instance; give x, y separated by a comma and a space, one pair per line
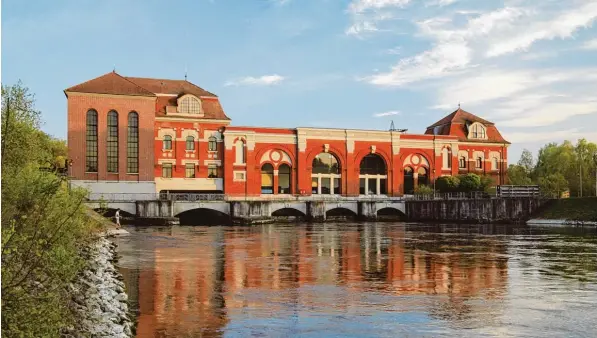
267, 179
446, 158
132, 148
494, 163
423, 176
372, 175
212, 144
409, 180
462, 162
325, 175
91, 142
479, 162
190, 105
284, 179
190, 143
240, 152
477, 131
112, 142
167, 142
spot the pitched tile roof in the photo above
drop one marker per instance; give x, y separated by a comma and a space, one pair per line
174, 87
110, 83
460, 116
455, 124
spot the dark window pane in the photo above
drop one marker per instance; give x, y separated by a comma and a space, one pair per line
132, 147
167, 170
212, 171
91, 142
190, 170
326, 163
112, 142
373, 164
167, 142
190, 143
212, 144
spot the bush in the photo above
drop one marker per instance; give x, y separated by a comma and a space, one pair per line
470, 182
447, 184
423, 190
486, 183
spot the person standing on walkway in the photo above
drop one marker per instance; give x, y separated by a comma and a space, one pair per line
117, 216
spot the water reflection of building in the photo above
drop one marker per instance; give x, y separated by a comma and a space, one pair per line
198, 286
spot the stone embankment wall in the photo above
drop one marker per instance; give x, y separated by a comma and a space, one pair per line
99, 298
504, 210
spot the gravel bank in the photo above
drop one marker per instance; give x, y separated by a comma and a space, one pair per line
99, 296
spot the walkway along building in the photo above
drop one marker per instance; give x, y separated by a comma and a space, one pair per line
141, 135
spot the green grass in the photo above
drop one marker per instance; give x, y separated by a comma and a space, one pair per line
578, 209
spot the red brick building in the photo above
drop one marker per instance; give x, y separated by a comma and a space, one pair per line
142, 135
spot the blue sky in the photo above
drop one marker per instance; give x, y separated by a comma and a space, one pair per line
529, 66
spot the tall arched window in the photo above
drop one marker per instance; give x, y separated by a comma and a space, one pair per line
190, 143
462, 162
423, 176
479, 162
409, 180
477, 131
167, 142
112, 143
212, 144
132, 148
190, 105
446, 158
267, 179
325, 176
91, 142
494, 163
284, 179
240, 152
372, 175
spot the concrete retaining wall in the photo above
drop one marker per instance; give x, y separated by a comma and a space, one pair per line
474, 210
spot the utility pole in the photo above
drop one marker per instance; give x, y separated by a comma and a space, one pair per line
580, 174
595, 160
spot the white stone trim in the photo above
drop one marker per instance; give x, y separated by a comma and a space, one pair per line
216, 162
235, 179
184, 162
167, 160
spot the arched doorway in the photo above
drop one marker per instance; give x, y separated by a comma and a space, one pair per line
409, 180
325, 175
267, 179
284, 179
422, 176
373, 175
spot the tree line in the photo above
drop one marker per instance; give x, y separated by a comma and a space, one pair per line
45, 225
558, 168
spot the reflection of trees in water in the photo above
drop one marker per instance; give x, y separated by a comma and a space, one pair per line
562, 252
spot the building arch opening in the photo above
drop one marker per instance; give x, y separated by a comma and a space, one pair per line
284, 179
373, 175
409, 180
288, 215
340, 214
203, 216
326, 178
422, 176
267, 179
390, 213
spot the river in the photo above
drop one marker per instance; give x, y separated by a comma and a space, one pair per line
361, 280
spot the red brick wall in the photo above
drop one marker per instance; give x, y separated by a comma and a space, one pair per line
79, 104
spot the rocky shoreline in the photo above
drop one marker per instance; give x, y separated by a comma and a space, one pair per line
98, 296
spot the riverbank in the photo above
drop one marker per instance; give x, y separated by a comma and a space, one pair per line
99, 300
569, 211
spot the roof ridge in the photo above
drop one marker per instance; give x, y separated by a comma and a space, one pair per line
126, 78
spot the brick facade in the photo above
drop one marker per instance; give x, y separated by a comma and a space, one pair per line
241, 152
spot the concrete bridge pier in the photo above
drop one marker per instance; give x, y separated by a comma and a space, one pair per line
160, 212
250, 212
316, 211
367, 211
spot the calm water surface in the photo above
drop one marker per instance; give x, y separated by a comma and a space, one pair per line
362, 280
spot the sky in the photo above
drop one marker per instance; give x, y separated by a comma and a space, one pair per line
529, 66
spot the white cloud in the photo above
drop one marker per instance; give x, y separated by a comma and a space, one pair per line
361, 6
591, 44
388, 113
394, 51
561, 26
273, 79
440, 3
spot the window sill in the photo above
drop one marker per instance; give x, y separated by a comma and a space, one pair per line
91, 172
132, 173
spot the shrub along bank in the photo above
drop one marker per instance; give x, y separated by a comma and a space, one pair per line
45, 225
575, 209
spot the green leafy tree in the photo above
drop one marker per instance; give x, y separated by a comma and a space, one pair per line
447, 183
486, 183
470, 182
526, 161
44, 225
517, 175
553, 185
423, 190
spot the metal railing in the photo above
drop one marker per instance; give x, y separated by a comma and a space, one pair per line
449, 196
518, 191
194, 197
